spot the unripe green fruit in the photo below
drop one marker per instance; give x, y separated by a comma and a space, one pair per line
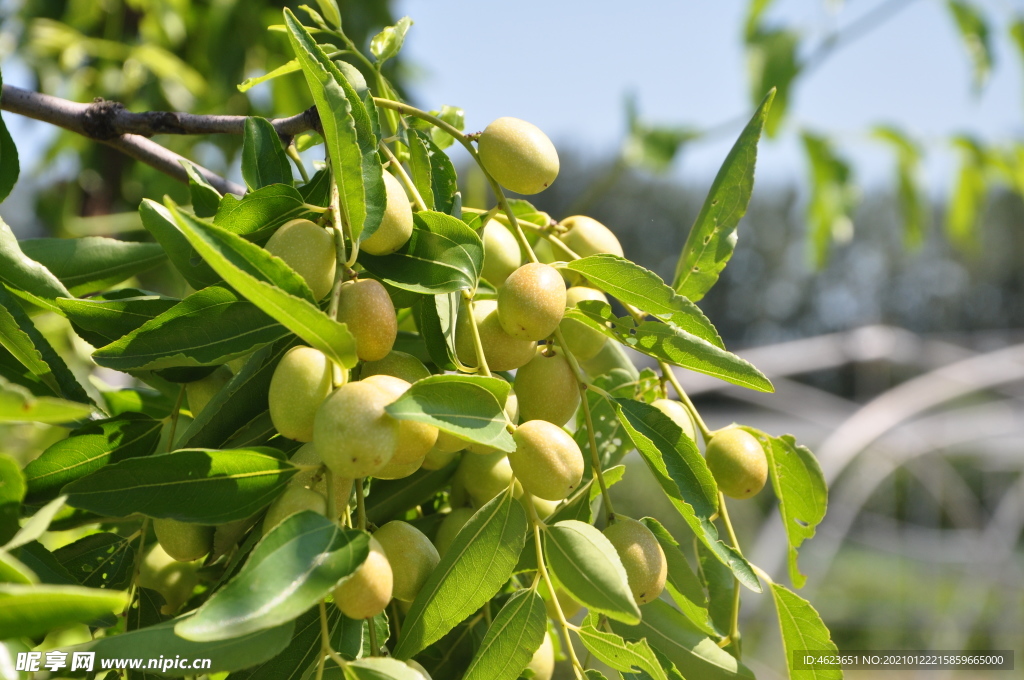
543, 662
412, 557
365, 307
583, 341
450, 528
309, 250
448, 443
544, 508
368, 590
738, 463
396, 226
437, 459
301, 381
569, 606
200, 392
485, 476
183, 541
586, 236
679, 415
547, 461
501, 253
411, 663
642, 557
316, 479
173, 579
294, 499
502, 351
518, 155
547, 389
396, 470
352, 433
511, 411
414, 439
399, 364
532, 302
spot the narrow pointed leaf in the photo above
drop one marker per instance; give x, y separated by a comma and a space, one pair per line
975, 32
18, 405
205, 199
802, 628
92, 263
511, 640
712, 238
12, 493
618, 653
103, 319
259, 213
160, 223
191, 485
472, 571
33, 610
263, 158
101, 560
293, 568
10, 168
682, 584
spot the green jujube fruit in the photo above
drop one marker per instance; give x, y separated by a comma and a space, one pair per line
173, 579
586, 236
737, 462
518, 155
414, 439
399, 364
501, 253
183, 541
547, 388
301, 381
412, 557
679, 415
396, 225
200, 392
543, 662
317, 479
367, 591
366, 308
450, 527
484, 476
309, 250
547, 461
294, 499
642, 557
583, 341
502, 351
352, 433
531, 303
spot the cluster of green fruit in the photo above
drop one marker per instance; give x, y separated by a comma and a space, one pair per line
346, 430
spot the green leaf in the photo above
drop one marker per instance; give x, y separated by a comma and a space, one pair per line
433, 172
293, 568
511, 640
652, 147
693, 653
833, 197
774, 64
101, 560
25, 277
205, 199
453, 115
88, 449
303, 650
643, 289
390, 498
160, 640
271, 285
92, 263
967, 199
260, 213
18, 405
351, 144
388, 42
802, 628
13, 570
284, 69
675, 462
443, 255
670, 344
33, 610
712, 238
913, 202
420, 171
586, 565
239, 404
612, 446
45, 565
191, 485
682, 584
467, 406
380, 668
103, 319
617, 653
801, 489
22, 339
264, 161
975, 33
12, 492
9, 165
158, 221
472, 571
208, 328
37, 524
436, 322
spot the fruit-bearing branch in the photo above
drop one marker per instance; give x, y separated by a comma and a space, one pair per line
112, 124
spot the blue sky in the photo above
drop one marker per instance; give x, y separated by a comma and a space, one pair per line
565, 65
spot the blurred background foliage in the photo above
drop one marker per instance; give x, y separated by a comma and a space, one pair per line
851, 300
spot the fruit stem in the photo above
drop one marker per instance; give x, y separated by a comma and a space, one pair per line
325, 639
667, 372
481, 360
595, 459
360, 505
542, 568
404, 177
734, 621
293, 153
374, 647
